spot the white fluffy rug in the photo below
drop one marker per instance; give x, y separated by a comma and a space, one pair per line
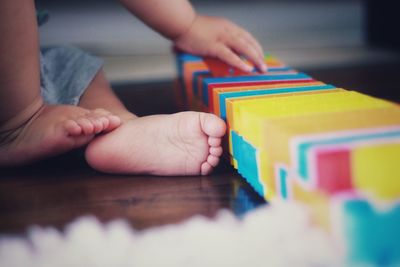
278, 235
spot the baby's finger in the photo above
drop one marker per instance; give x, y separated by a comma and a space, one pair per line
251, 40
255, 44
226, 55
241, 46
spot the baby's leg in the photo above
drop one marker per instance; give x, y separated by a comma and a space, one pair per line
100, 95
186, 143
29, 129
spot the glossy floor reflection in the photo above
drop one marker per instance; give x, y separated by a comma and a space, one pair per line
54, 193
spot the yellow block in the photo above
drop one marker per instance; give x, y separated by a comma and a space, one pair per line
376, 169
253, 112
232, 104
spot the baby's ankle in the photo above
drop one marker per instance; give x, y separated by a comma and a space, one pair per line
10, 129
23, 117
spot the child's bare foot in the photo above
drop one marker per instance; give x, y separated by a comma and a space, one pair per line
49, 131
186, 143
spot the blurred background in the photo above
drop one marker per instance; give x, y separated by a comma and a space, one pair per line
307, 35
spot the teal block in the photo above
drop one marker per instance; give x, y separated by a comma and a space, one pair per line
372, 235
246, 157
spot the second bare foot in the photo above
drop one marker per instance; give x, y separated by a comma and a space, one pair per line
51, 130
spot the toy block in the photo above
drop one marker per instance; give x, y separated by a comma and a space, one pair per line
367, 232
376, 169
269, 91
334, 170
214, 92
232, 103
246, 156
249, 80
221, 69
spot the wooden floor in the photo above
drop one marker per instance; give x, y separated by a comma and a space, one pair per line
56, 191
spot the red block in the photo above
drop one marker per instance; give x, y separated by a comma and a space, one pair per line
334, 170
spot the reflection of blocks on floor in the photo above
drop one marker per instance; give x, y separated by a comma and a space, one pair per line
296, 138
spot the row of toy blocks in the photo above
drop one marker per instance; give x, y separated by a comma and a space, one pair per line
247, 158
225, 92
282, 89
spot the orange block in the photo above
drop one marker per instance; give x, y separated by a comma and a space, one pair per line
188, 69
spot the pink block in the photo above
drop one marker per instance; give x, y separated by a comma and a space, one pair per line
334, 170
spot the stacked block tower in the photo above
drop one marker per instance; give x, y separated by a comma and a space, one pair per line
296, 138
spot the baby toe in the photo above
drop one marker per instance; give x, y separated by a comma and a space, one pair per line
216, 151
114, 122
86, 125
205, 168
212, 125
214, 141
213, 160
72, 127
97, 124
105, 122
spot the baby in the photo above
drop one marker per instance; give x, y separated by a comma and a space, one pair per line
56, 100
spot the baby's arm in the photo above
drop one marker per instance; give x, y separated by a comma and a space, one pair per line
196, 34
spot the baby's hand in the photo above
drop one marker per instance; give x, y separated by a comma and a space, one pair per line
222, 39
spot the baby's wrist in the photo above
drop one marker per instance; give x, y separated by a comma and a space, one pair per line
185, 30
